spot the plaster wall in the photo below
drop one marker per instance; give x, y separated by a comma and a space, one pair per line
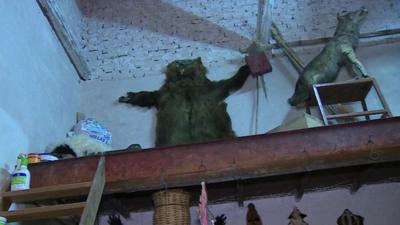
38, 84
378, 204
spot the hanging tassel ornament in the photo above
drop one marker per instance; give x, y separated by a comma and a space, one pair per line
203, 204
257, 59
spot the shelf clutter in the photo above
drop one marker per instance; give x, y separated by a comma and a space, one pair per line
87, 209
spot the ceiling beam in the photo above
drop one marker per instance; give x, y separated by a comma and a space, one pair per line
264, 21
385, 36
71, 49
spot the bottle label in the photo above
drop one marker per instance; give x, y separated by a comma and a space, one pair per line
18, 179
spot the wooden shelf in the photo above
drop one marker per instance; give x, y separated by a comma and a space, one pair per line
44, 212
50, 192
266, 155
87, 210
347, 92
350, 91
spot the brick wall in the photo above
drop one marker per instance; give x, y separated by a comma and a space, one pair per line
128, 39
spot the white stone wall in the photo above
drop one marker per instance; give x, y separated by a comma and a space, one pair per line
38, 84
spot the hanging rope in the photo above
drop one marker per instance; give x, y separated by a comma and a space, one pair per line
257, 46
260, 13
257, 105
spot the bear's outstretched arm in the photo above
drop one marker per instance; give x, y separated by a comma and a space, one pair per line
224, 88
142, 98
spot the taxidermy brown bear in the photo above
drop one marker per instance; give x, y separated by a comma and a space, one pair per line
191, 107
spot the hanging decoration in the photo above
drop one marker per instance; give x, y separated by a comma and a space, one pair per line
297, 217
252, 217
203, 204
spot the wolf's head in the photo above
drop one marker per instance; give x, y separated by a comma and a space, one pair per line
349, 22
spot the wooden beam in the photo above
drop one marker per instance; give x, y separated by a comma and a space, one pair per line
56, 22
317, 41
96, 191
257, 156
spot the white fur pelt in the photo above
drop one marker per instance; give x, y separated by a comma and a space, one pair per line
83, 145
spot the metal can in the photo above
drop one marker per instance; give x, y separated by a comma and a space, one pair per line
47, 157
33, 158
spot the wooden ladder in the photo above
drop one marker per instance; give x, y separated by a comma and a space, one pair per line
347, 92
87, 210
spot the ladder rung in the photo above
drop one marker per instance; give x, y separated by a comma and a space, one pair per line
356, 114
51, 192
44, 212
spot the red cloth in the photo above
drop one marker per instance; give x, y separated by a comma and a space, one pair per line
258, 63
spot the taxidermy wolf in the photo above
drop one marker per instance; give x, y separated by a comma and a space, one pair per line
191, 107
325, 67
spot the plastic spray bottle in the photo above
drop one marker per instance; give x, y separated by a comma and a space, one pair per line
21, 177
3, 220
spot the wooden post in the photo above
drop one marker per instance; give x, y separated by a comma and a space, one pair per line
320, 105
264, 21
96, 191
240, 192
383, 101
365, 108
4, 186
70, 48
299, 192
359, 178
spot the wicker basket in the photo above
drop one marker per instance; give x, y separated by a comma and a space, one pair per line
171, 208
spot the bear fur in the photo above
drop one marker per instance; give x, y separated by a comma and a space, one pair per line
191, 107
